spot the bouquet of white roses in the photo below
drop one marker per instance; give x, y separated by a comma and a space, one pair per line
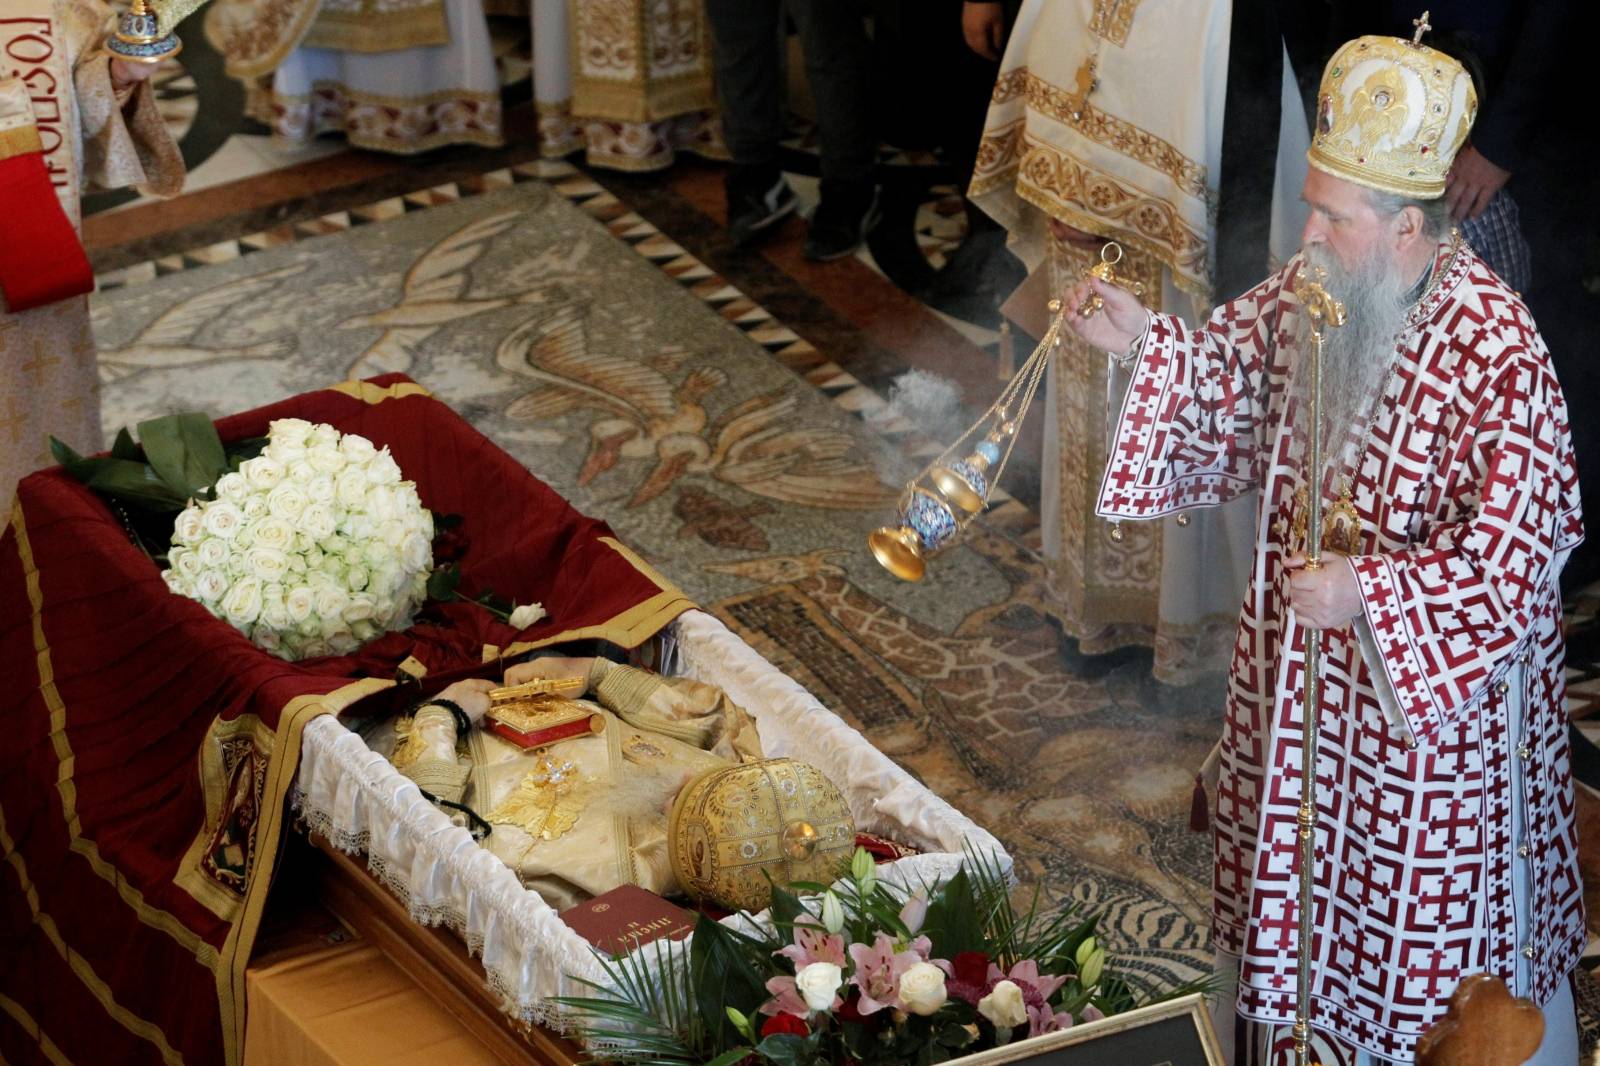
311, 548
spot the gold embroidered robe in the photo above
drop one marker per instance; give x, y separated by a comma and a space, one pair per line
606, 816
48, 381
1126, 149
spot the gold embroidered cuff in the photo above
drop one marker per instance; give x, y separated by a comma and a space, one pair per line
625, 690
446, 779
598, 669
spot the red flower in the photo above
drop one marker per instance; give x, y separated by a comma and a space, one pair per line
969, 975
784, 1023
449, 545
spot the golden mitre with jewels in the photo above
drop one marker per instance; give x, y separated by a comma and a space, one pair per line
1392, 114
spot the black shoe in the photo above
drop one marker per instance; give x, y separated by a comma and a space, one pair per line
756, 200
841, 222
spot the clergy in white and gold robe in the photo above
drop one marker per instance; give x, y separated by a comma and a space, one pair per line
57, 100
1107, 117
400, 76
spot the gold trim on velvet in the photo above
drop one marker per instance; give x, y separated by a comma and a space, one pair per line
77, 963
20, 140
368, 393
633, 626
269, 832
151, 916
31, 1027
213, 780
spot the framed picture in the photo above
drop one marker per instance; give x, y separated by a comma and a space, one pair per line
1176, 1033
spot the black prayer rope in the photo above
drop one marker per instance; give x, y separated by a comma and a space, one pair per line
463, 722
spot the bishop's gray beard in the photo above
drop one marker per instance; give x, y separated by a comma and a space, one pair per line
1357, 356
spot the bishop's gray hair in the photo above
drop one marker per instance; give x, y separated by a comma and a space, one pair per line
1436, 220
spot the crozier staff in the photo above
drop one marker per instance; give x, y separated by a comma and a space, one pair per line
1446, 843
70, 115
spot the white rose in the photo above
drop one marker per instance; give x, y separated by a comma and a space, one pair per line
287, 501
331, 602
301, 472
265, 638
393, 533
350, 486
236, 566
274, 612
288, 430
356, 578
176, 564
317, 521
321, 489
267, 564
383, 504
315, 648
177, 583
242, 604
341, 641
275, 533
922, 989
262, 473
326, 459
363, 630
524, 616
232, 487
222, 519
416, 553
188, 527
299, 601
357, 448
210, 585
254, 507
381, 470
323, 435
212, 552
1003, 1006
819, 983
359, 609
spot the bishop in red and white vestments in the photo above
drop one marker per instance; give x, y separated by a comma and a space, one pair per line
1443, 764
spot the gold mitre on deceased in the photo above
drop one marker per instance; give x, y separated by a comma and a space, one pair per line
734, 827
1391, 115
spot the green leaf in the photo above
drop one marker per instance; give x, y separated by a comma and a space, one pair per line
442, 583
786, 908
128, 480
185, 451
953, 923
786, 1049
731, 1056
722, 976
124, 448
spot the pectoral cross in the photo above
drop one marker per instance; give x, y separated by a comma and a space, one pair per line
1422, 26
1084, 83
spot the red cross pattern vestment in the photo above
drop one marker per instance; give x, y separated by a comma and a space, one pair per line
1468, 500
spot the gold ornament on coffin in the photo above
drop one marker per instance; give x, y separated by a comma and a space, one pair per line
543, 804
734, 827
946, 495
1391, 115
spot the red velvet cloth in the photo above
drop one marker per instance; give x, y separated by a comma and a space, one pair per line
113, 686
41, 258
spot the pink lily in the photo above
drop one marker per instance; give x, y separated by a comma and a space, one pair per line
877, 973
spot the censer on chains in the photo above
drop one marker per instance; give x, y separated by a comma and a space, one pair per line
138, 37
946, 495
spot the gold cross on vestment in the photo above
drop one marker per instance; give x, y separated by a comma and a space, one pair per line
13, 420
1422, 26
7, 324
1084, 84
40, 362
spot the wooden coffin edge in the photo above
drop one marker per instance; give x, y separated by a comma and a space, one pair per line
435, 959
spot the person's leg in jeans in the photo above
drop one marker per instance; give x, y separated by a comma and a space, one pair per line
745, 48
838, 65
